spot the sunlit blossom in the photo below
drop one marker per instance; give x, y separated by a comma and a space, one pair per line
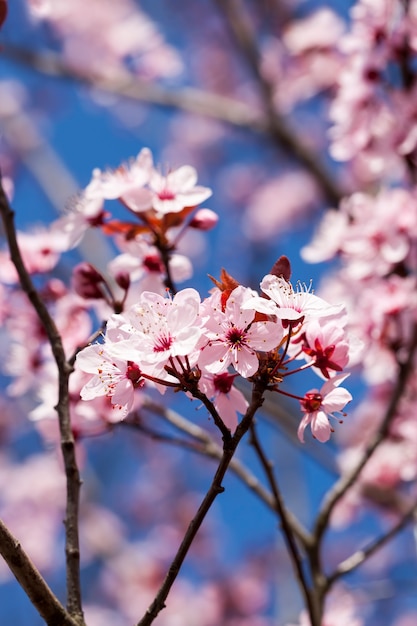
318, 406
227, 400
232, 337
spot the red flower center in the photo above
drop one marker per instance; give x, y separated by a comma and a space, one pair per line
223, 382
163, 343
166, 194
235, 336
311, 402
133, 372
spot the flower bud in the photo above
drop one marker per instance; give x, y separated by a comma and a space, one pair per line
86, 281
123, 280
204, 219
282, 268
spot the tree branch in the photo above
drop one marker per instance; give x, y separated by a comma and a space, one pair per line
215, 489
287, 530
359, 557
67, 440
188, 99
208, 447
277, 126
31, 581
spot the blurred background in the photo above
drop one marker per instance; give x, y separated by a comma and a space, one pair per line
241, 92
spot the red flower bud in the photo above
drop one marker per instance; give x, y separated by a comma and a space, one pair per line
123, 280
282, 268
86, 281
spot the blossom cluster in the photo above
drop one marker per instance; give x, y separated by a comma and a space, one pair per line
202, 346
156, 336
373, 113
373, 234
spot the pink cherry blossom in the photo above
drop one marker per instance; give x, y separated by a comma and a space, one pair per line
177, 190
227, 400
327, 346
204, 219
127, 178
328, 239
231, 337
107, 35
143, 263
40, 251
159, 329
113, 377
265, 217
318, 406
289, 305
82, 215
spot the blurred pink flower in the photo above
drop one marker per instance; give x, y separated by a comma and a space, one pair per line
277, 204
177, 190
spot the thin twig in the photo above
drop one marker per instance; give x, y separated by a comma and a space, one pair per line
277, 126
214, 490
31, 581
287, 529
133, 421
67, 440
208, 447
92, 339
359, 557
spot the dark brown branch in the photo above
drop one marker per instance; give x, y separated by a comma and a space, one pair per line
31, 581
62, 408
188, 99
359, 557
208, 447
287, 530
215, 489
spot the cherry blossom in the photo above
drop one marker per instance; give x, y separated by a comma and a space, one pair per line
227, 400
83, 214
177, 190
144, 265
107, 36
232, 337
157, 329
318, 406
128, 178
204, 219
41, 251
289, 305
264, 216
326, 344
113, 377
